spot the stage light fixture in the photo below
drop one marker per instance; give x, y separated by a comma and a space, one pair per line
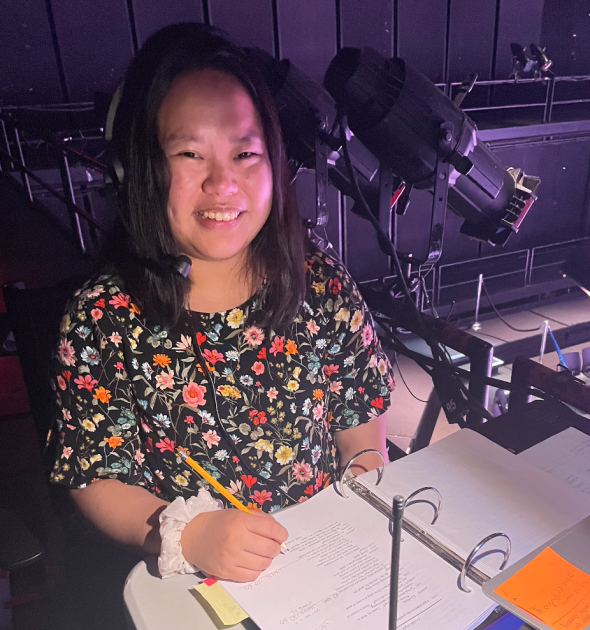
308, 117
411, 127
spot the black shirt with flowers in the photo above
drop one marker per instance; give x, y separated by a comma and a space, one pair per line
131, 394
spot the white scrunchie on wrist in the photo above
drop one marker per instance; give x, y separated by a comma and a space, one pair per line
172, 521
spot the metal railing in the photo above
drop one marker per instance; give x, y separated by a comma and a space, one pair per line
14, 159
549, 82
519, 269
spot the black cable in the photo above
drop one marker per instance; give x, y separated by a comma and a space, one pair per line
383, 239
500, 316
399, 369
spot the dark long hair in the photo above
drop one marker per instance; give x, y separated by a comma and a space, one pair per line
277, 253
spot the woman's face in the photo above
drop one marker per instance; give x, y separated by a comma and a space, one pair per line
220, 174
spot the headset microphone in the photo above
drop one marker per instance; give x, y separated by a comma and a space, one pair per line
182, 265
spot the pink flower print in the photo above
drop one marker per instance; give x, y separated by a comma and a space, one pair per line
277, 345
120, 301
66, 353
85, 382
272, 393
258, 368
318, 411
139, 457
61, 382
335, 387
189, 420
312, 327
330, 369
165, 380
193, 394
67, 452
235, 486
367, 335
302, 472
116, 339
165, 444
261, 496
334, 286
211, 438
96, 314
253, 336
212, 356
318, 480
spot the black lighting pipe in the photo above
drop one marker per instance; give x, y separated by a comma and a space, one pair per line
398, 114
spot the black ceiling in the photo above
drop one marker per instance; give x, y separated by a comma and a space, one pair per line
64, 50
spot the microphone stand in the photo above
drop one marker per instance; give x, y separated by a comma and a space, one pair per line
398, 513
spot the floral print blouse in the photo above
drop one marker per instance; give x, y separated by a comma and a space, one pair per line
131, 394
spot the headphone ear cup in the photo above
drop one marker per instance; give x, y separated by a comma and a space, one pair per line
116, 172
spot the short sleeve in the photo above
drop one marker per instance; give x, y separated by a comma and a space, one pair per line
359, 374
96, 424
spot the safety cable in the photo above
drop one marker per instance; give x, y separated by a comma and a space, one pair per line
483, 284
399, 369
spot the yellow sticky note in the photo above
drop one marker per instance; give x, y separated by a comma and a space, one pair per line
223, 604
551, 589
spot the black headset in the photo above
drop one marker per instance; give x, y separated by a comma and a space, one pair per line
115, 176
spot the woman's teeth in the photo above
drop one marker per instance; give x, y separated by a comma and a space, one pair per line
220, 216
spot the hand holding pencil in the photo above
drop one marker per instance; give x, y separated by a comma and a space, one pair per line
231, 544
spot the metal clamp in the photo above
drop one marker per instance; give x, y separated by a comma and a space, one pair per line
467, 564
437, 508
346, 474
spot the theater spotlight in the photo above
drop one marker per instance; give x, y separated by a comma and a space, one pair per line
308, 119
412, 127
521, 64
543, 62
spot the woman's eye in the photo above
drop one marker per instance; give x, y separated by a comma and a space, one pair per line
188, 154
245, 155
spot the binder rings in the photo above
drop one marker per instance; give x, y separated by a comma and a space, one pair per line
336, 572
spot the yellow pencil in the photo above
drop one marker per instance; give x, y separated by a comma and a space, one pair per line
209, 479
222, 491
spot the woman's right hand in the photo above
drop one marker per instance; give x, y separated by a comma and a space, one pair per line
232, 545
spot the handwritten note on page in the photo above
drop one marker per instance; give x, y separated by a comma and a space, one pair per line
336, 575
565, 456
551, 589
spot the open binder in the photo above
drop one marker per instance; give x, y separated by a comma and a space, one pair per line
336, 572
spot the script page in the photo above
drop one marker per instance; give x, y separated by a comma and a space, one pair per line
485, 489
335, 575
565, 456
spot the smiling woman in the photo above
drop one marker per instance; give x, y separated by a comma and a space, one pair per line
262, 365
220, 192
198, 133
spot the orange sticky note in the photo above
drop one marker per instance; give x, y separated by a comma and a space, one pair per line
551, 589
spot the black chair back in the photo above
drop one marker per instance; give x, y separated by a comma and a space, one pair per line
35, 316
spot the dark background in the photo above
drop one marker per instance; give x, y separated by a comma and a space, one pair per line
64, 51
56, 52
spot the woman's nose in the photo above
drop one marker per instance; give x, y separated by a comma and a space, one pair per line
220, 180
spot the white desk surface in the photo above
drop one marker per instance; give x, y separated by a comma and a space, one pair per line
156, 604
